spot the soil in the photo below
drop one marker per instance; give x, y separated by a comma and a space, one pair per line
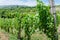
3, 36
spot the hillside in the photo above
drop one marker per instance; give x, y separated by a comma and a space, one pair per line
14, 6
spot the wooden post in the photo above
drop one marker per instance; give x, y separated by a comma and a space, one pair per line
53, 11
52, 6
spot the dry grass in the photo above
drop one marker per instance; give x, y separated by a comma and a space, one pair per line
3, 35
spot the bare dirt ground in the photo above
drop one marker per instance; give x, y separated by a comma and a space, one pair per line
3, 36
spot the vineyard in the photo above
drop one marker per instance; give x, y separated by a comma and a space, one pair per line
29, 23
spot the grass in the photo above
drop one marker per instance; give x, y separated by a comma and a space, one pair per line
35, 36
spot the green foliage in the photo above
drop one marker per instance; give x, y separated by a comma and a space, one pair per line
46, 21
27, 19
